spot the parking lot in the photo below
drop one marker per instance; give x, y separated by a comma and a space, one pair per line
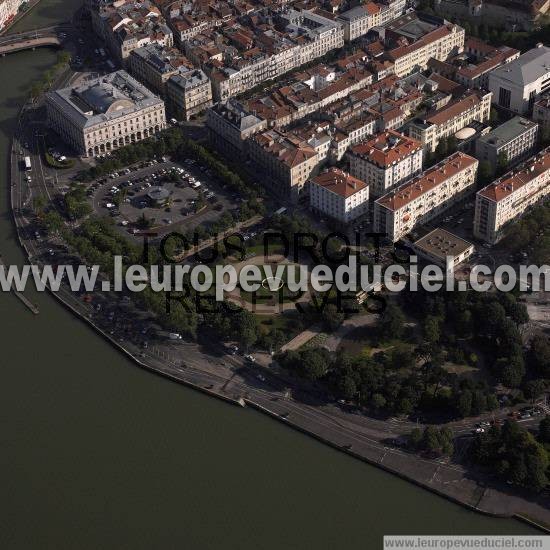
169, 195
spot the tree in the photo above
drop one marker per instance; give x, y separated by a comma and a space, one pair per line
512, 370
331, 317
534, 388
431, 330
53, 221
464, 404
502, 163
484, 173
518, 313
392, 322
544, 430
539, 356
378, 401
38, 203
442, 149
415, 437
36, 89
492, 402
347, 387
246, 328
143, 222
314, 363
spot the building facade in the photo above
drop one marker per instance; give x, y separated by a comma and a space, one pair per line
385, 161
229, 127
511, 142
474, 105
414, 39
285, 162
425, 197
154, 65
105, 113
188, 93
518, 84
541, 113
507, 198
338, 195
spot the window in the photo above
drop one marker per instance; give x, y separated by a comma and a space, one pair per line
504, 98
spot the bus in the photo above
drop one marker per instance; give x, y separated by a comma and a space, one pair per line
27, 161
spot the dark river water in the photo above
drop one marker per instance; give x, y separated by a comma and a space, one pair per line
97, 454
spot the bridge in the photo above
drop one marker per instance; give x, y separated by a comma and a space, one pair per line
29, 40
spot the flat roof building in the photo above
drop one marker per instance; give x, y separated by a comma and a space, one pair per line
517, 85
443, 248
515, 140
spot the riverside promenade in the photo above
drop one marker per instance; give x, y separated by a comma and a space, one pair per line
284, 399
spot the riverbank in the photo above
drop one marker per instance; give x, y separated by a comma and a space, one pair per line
339, 432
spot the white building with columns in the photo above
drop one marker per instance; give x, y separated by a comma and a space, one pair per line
105, 113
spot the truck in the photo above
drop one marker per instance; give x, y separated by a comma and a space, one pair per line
27, 162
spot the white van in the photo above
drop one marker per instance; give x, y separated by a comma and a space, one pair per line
174, 336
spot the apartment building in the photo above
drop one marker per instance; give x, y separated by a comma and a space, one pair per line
507, 198
285, 161
516, 16
105, 113
348, 133
516, 139
8, 10
425, 197
125, 25
541, 113
338, 195
188, 93
415, 38
360, 20
474, 105
309, 91
518, 84
155, 64
486, 58
230, 125
305, 36
385, 161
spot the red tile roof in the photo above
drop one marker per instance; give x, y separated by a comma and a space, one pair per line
427, 181
512, 181
381, 151
339, 182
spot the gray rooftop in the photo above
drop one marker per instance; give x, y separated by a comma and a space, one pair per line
188, 79
355, 13
527, 68
102, 99
507, 132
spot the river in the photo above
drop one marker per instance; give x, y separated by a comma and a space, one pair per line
99, 454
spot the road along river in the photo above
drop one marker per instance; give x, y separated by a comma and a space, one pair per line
99, 454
